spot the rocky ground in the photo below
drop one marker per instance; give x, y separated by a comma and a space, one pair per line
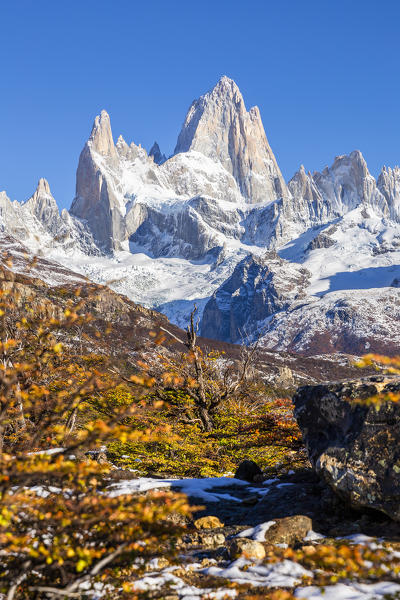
313, 532
251, 539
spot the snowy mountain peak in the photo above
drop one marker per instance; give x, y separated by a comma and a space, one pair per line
101, 139
219, 126
42, 200
43, 187
355, 160
226, 87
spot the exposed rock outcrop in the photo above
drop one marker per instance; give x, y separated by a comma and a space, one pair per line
95, 200
156, 154
258, 288
354, 445
219, 126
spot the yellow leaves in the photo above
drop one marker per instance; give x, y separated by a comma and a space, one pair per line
8, 345
390, 363
81, 565
143, 380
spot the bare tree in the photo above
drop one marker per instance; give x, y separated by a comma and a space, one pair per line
209, 380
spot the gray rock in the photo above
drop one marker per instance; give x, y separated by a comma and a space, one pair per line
219, 126
320, 241
289, 530
258, 288
247, 548
354, 445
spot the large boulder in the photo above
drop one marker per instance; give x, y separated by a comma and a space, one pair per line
353, 443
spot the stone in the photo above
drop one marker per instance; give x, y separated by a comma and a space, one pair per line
208, 522
248, 470
285, 376
352, 444
289, 530
212, 540
320, 241
247, 548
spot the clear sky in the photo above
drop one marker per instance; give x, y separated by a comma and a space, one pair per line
325, 74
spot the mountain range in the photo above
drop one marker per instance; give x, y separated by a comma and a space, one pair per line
311, 265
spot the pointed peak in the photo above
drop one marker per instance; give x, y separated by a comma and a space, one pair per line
41, 194
156, 154
42, 203
356, 154
355, 159
101, 139
225, 87
121, 143
43, 187
155, 148
299, 174
226, 81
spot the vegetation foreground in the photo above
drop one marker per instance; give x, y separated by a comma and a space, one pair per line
75, 421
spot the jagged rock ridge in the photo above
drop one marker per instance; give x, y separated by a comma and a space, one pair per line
219, 126
171, 232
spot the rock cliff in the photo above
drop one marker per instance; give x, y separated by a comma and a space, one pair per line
353, 444
219, 126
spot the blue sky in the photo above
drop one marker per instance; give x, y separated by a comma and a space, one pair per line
325, 74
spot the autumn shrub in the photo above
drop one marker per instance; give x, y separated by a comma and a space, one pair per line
266, 433
219, 412
60, 528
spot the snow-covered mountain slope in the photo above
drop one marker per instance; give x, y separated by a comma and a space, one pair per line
39, 224
171, 232
18, 259
348, 298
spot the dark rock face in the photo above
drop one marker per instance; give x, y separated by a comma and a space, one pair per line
354, 446
321, 241
155, 152
248, 470
258, 288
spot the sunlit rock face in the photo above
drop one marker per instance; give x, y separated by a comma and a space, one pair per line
219, 126
354, 446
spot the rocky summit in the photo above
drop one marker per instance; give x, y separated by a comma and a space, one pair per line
353, 441
300, 266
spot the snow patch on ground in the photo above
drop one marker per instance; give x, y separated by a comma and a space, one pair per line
350, 591
257, 533
195, 488
282, 574
155, 581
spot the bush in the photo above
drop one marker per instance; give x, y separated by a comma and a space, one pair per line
58, 527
